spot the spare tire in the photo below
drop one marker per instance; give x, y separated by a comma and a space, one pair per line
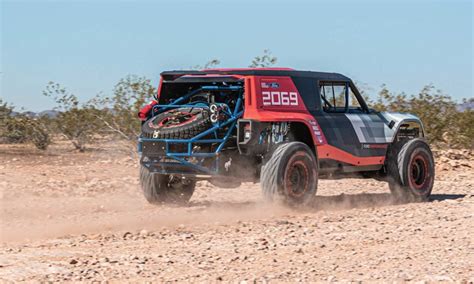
180, 123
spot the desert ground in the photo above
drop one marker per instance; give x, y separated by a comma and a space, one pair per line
69, 216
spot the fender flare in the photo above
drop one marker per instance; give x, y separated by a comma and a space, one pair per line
409, 120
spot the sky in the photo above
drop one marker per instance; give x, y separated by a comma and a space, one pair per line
87, 46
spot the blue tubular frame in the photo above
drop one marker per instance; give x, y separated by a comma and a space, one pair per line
180, 157
175, 104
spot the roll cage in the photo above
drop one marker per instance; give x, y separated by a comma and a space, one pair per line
186, 159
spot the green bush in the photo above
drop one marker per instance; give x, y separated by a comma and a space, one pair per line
462, 130
77, 122
16, 130
38, 133
22, 129
443, 122
119, 110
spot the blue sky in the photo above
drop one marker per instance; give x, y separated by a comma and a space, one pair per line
88, 46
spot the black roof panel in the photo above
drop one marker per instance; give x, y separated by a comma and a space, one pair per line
171, 75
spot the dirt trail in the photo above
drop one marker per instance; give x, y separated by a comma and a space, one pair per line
82, 217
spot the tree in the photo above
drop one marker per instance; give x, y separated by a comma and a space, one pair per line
442, 121
5, 114
121, 108
76, 122
5, 110
266, 60
20, 128
435, 109
463, 129
211, 63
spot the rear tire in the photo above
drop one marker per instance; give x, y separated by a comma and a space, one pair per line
160, 189
180, 123
410, 168
290, 174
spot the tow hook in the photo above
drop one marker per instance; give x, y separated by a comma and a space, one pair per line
214, 113
228, 164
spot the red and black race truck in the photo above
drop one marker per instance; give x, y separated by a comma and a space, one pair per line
278, 126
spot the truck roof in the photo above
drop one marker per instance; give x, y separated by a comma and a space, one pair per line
171, 75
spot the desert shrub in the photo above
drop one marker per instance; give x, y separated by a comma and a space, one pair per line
76, 122
265, 60
443, 122
211, 63
20, 128
5, 113
39, 134
120, 109
462, 130
5, 122
16, 129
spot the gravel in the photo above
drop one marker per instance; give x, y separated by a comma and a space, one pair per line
88, 222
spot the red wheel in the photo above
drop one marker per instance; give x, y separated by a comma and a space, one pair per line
419, 173
290, 174
410, 168
179, 118
297, 176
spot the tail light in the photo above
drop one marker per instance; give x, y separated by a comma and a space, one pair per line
247, 131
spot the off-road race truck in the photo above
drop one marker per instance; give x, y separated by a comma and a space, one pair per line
282, 127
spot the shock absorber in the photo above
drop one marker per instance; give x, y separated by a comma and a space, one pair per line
278, 132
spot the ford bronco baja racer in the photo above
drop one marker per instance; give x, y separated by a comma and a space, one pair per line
282, 127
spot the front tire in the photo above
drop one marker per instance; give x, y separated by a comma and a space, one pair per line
160, 189
290, 174
410, 168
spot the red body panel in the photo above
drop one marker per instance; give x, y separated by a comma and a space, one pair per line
333, 153
255, 86
257, 110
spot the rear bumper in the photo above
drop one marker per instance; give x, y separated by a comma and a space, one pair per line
167, 168
170, 156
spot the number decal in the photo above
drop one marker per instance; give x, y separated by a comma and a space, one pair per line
276, 101
285, 99
293, 99
266, 98
280, 98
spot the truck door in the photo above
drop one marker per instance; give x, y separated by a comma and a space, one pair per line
347, 123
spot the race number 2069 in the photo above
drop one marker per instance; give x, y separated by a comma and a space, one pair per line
280, 98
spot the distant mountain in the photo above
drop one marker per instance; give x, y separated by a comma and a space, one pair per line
469, 105
48, 113
30, 113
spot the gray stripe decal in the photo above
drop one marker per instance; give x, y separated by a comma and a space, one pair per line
370, 128
358, 126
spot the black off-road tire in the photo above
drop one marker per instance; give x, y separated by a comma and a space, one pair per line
199, 122
410, 170
290, 175
158, 189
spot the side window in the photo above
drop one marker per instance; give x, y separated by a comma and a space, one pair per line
333, 97
338, 97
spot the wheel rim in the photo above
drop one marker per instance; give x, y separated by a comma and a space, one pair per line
297, 179
419, 174
178, 119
